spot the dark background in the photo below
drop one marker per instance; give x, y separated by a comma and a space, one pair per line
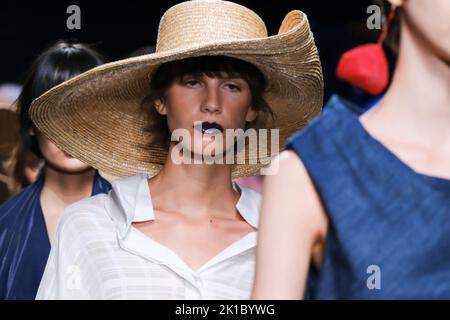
118, 28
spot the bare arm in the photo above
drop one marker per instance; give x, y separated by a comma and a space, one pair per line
292, 230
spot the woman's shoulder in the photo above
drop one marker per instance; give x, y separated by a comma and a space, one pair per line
87, 213
85, 224
100, 210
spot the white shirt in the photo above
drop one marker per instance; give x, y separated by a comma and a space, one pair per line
98, 254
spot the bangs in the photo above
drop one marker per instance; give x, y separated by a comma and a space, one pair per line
210, 66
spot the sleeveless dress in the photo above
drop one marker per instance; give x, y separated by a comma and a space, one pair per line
389, 226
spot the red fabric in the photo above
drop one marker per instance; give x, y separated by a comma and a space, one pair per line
365, 67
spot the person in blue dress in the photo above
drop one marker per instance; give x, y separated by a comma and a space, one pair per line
29, 219
360, 205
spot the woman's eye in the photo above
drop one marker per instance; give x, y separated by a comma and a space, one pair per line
191, 83
233, 87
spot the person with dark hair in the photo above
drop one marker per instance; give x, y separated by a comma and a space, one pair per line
28, 220
177, 229
368, 208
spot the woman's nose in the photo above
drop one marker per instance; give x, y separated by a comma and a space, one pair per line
211, 102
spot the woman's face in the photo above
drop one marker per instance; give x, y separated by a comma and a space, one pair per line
430, 20
57, 159
218, 103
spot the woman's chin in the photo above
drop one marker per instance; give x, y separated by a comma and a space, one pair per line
72, 166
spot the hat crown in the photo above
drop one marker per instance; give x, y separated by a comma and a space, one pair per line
198, 22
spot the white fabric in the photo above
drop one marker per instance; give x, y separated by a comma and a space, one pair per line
98, 254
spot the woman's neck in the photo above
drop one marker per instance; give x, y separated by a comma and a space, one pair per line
417, 104
68, 188
194, 189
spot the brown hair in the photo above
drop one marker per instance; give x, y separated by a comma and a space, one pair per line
211, 66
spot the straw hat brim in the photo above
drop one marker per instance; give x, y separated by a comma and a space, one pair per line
95, 116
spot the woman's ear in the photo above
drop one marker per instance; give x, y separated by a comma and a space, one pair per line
160, 106
251, 114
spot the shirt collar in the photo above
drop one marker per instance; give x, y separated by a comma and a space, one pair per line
131, 202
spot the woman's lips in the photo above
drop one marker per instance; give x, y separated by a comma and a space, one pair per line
209, 127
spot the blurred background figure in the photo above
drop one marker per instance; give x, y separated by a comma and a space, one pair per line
8, 137
28, 220
9, 92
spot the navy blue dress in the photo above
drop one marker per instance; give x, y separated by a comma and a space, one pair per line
24, 243
389, 226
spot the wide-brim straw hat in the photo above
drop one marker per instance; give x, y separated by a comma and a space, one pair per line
96, 116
